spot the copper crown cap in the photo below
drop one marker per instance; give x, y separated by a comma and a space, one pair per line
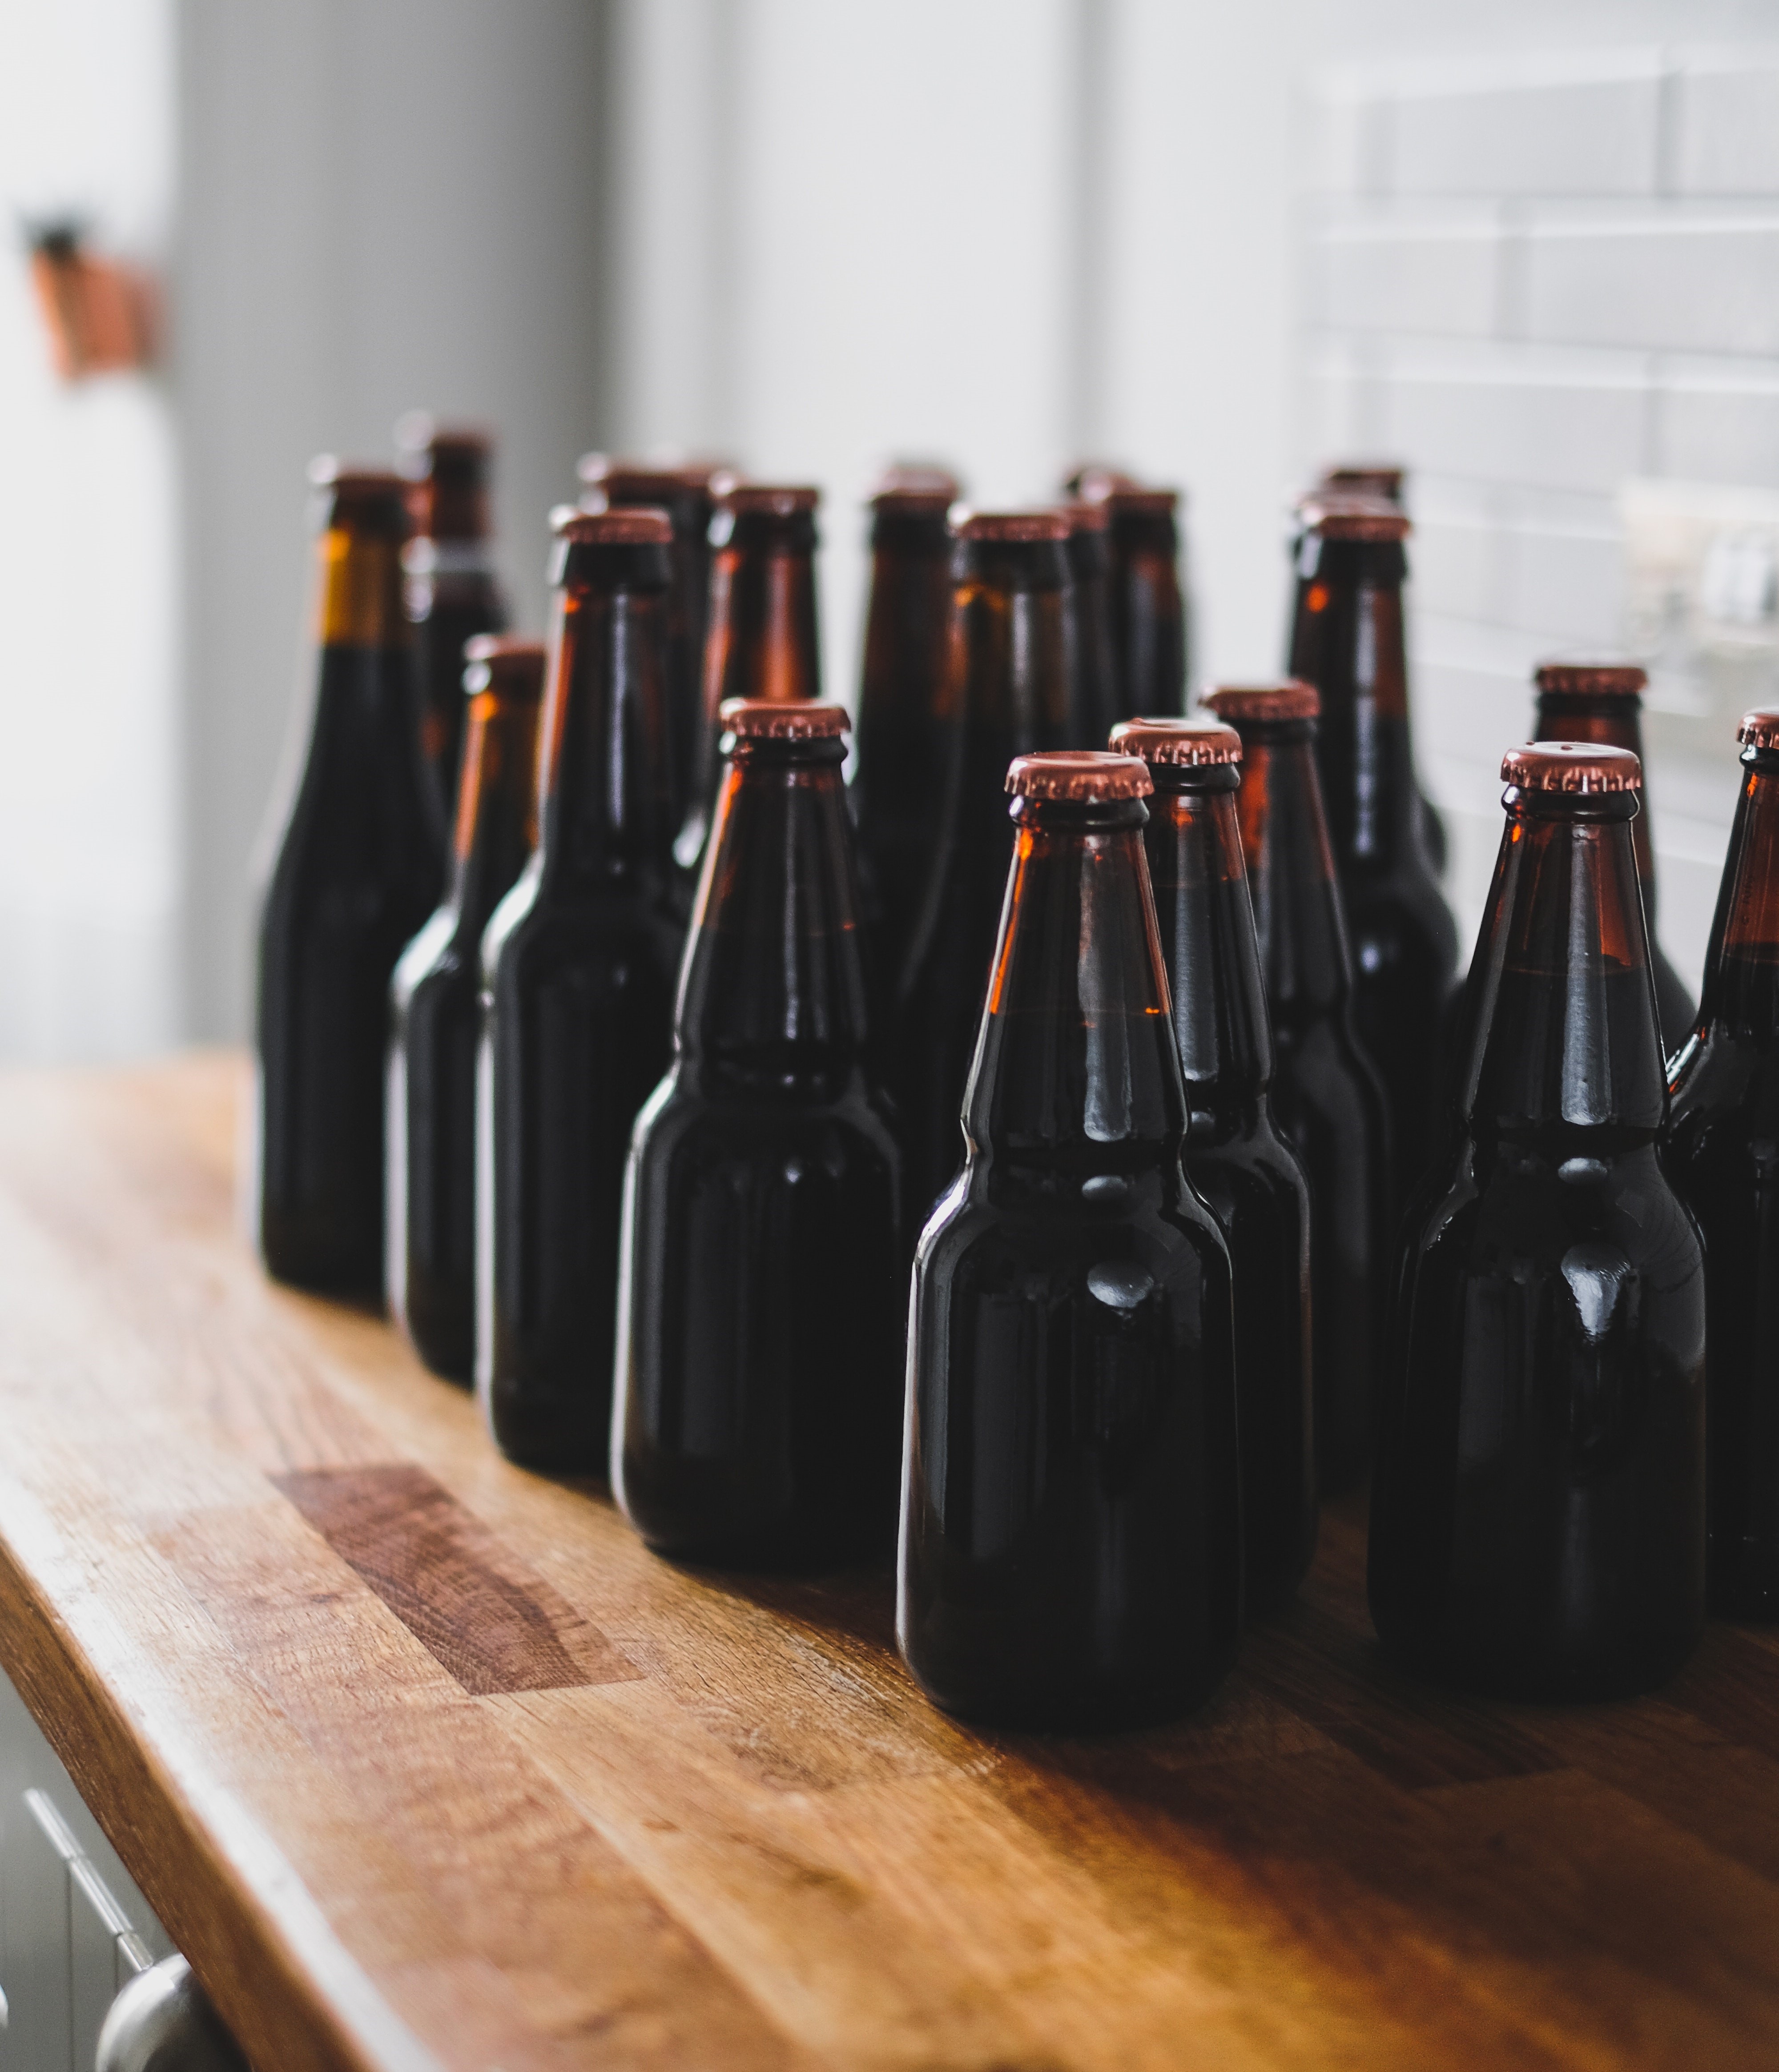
1580, 678
1188, 742
797, 719
1289, 699
970, 524
624, 525
1572, 765
1087, 775
1759, 729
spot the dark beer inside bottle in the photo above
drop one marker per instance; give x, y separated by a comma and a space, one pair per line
1147, 609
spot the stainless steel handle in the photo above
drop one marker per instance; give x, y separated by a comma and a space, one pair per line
162, 2021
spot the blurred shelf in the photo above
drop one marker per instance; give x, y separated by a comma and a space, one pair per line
425, 1762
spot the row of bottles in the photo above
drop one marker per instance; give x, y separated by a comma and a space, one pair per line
704, 1127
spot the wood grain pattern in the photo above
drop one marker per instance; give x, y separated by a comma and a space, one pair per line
427, 1764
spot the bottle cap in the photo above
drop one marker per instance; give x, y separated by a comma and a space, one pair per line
766, 499
1572, 765
1188, 741
1336, 517
1093, 481
1130, 499
796, 719
376, 497
424, 448
637, 481
1381, 479
509, 661
1086, 514
918, 487
1290, 700
1595, 680
628, 525
1759, 729
1088, 775
1008, 525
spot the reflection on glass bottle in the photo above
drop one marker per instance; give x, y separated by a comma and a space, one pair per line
434, 1001
1537, 1523
1071, 1547
1235, 1156
1723, 1155
760, 1335
358, 868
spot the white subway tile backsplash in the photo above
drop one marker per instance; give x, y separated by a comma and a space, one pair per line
1568, 586
1456, 567
1586, 137
1516, 422
1677, 281
1437, 277
1718, 425
1727, 130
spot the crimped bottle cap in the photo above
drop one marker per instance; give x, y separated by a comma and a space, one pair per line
1087, 775
1572, 765
1290, 698
1364, 477
1595, 680
1088, 515
766, 499
625, 480
1005, 525
1188, 741
1333, 516
626, 525
1759, 729
797, 719
921, 489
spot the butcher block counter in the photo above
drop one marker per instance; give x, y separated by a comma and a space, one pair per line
424, 1761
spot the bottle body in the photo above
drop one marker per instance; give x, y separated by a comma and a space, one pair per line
759, 1411
1720, 1154
579, 967
434, 1001
1538, 1508
1071, 1546
358, 869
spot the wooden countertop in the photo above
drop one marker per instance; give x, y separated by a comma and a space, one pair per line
425, 1762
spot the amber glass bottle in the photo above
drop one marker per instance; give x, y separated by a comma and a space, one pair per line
759, 1338
359, 865
1723, 1155
686, 493
1348, 641
578, 968
901, 744
1006, 693
434, 1001
1147, 609
762, 643
1235, 1156
1603, 702
1325, 1093
1071, 1549
1093, 705
451, 591
1537, 1521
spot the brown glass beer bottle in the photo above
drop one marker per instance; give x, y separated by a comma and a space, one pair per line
901, 742
578, 968
1723, 1156
1538, 1523
1007, 693
358, 869
1324, 1094
1603, 702
762, 643
1348, 641
434, 1001
451, 591
1147, 609
1071, 1550
1234, 1156
1093, 706
759, 1338
686, 494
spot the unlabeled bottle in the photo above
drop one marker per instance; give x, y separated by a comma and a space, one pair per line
1235, 1156
1602, 702
686, 494
435, 1011
1325, 1094
1007, 693
759, 1336
359, 865
1348, 642
1537, 1524
451, 590
900, 787
1723, 1156
1071, 1549
578, 968
762, 643
1148, 607
1093, 705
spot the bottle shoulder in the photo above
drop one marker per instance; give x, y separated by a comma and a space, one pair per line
689, 1119
434, 959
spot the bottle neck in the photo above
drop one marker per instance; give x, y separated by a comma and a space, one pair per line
1347, 640
1741, 992
604, 810
1148, 617
763, 641
904, 623
1075, 1069
1206, 919
496, 805
1563, 1030
1297, 919
772, 993
1614, 722
359, 593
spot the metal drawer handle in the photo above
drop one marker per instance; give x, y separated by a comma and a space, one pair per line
162, 2021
